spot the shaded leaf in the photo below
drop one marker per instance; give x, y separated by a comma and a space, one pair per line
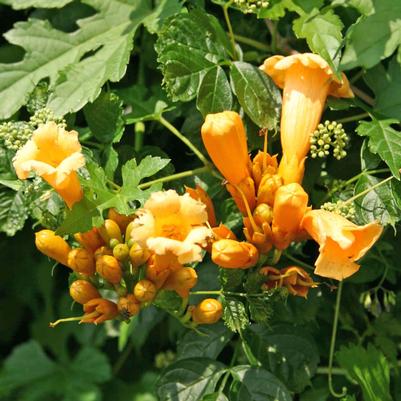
235, 315
256, 384
189, 379
369, 368
256, 93
384, 141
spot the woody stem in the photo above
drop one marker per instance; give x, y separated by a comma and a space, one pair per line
333, 345
183, 139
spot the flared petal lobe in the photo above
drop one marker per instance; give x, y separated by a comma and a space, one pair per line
341, 242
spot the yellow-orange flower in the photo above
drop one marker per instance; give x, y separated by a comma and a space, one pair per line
232, 254
224, 137
306, 80
172, 225
55, 155
98, 310
341, 242
200, 194
53, 246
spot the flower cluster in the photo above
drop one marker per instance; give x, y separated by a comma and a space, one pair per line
137, 257
251, 6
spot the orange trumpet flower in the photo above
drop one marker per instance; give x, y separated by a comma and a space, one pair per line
306, 80
341, 242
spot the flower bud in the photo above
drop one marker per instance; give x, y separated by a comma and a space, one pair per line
52, 246
145, 291
82, 291
121, 219
109, 268
263, 213
209, 311
90, 240
262, 164
121, 252
181, 281
233, 254
99, 310
103, 250
224, 137
157, 273
268, 187
128, 306
81, 261
138, 255
110, 230
201, 195
290, 205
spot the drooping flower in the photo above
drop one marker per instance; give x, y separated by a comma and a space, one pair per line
341, 242
173, 226
306, 80
55, 155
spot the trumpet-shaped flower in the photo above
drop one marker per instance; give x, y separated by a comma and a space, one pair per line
306, 80
55, 155
341, 242
172, 225
224, 137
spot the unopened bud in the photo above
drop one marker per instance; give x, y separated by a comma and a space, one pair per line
209, 311
128, 306
82, 291
263, 213
121, 252
121, 219
234, 254
81, 261
109, 268
52, 246
110, 230
145, 291
138, 255
181, 281
90, 240
103, 250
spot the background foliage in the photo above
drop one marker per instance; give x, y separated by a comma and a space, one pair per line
127, 73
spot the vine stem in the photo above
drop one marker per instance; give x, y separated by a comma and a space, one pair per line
298, 261
230, 28
183, 139
252, 42
368, 190
362, 95
353, 118
333, 345
177, 176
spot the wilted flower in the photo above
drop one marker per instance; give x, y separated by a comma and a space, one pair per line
55, 155
173, 226
341, 242
99, 310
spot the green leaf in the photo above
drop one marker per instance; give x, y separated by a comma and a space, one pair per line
384, 141
369, 368
27, 363
373, 37
164, 9
387, 87
215, 397
365, 7
14, 211
209, 344
59, 56
231, 279
188, 47
99, 197
189, 379
235, 315
256, 384
105, 117
21, 4
168, 300
381, 204
322, 33
285, 352
91, 365
276, 9
257, 94
214, 94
